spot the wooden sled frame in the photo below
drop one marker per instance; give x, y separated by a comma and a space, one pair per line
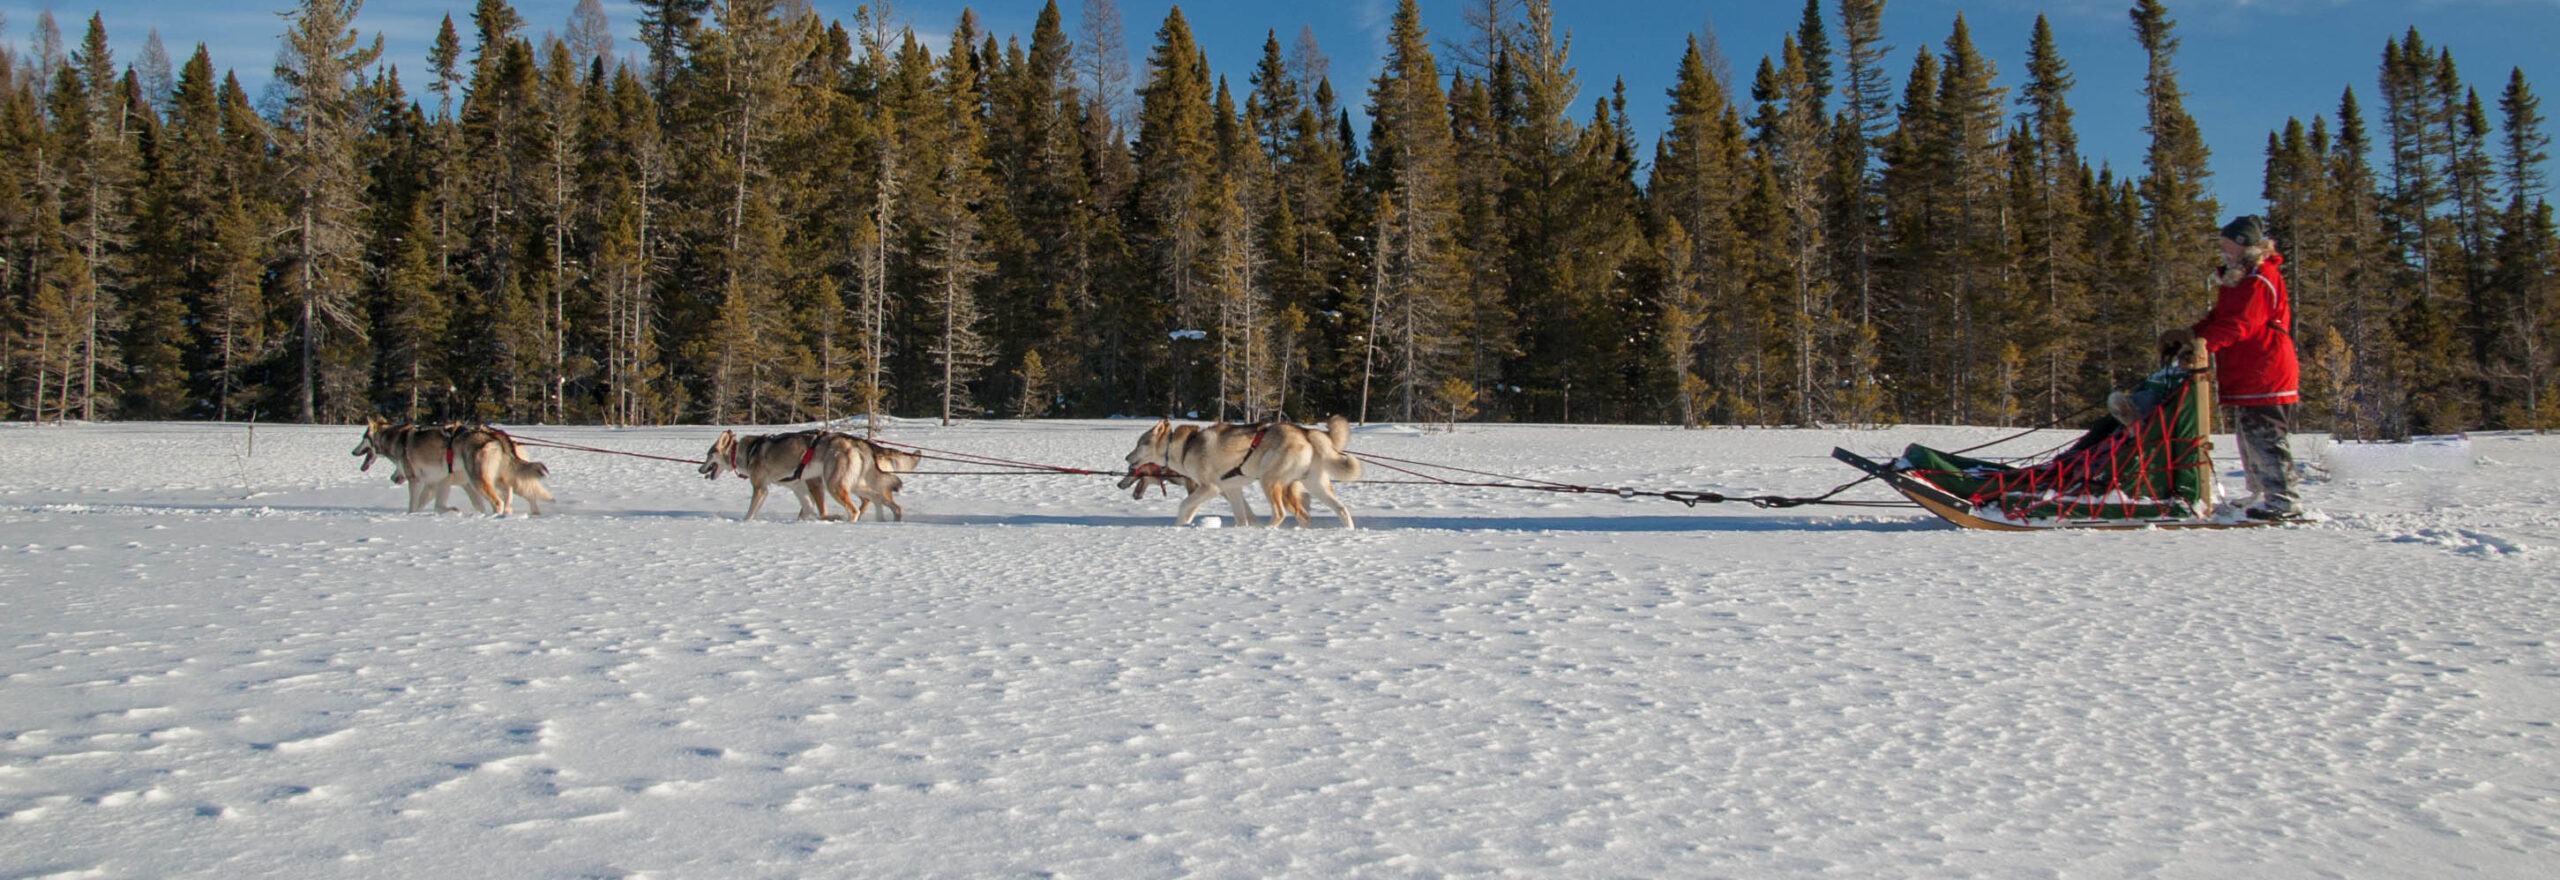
1961, 512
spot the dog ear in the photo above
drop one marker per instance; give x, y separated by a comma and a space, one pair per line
1163, 427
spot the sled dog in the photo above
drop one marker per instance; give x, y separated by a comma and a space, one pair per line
420, 457
874, 477
494, 471
1218, 460
815, 466
434, 459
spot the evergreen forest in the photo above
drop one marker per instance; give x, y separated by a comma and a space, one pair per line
758, 216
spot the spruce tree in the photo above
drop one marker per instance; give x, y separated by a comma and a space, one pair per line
955, 254
2179, 214
1974, 141
1697, 167
2524, 145
1919, 208
95, 136
2051, 226
1175, 193
1418, 261
1790, 132
749, 62
556, 119
669, 28
1865, 116
321, 186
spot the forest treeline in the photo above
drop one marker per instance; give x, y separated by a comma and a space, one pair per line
759, 216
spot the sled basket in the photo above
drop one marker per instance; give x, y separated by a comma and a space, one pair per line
2157, 470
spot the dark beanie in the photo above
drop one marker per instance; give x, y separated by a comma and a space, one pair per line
2247, 229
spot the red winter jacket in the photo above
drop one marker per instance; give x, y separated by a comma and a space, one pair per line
2250, 331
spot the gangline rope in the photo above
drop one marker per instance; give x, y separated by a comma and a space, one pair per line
1409, 467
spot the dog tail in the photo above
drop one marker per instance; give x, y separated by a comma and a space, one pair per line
893, 461
527, 478
1341, 466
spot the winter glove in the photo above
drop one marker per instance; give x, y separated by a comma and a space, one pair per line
2175, 341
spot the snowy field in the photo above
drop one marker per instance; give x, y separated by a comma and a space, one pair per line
227, 655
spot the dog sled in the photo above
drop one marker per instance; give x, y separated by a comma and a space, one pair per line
2154, 473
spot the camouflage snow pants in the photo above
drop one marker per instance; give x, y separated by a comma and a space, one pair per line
2267, 456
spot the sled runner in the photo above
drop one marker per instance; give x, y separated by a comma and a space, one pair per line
2156, 473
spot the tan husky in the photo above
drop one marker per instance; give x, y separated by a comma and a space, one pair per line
815, 466
1218, 460
434, 459
874, 477
494, 471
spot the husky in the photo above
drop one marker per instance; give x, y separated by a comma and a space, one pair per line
494, 471
873, 477
814, 465
1218, 460
434, 459
421, 458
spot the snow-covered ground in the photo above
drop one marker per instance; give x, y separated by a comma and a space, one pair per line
226, 655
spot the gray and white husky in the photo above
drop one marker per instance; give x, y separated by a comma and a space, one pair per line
815, 466
434, 459
1217, 460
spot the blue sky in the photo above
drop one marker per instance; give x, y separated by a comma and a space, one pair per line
2247, 65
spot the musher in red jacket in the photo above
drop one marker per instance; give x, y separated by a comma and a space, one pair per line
2250, 332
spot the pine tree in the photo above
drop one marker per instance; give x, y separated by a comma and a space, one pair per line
2524, 146
1789, 135
748, 64
95, 138
627, 166
1973, 131
2173, 190
1536, 143
151, 346
669, 28
1697, 166
895, 76
1419, 260
2368, 273
1866, 99
1813, 49
2422, 208
1046, 277
2411, 141
1918, 251
322, 187
1176, 194
955, 254
237, 316
1484, 187
2524, 287
410, 331
1239, 262
2052, 223
555, 119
